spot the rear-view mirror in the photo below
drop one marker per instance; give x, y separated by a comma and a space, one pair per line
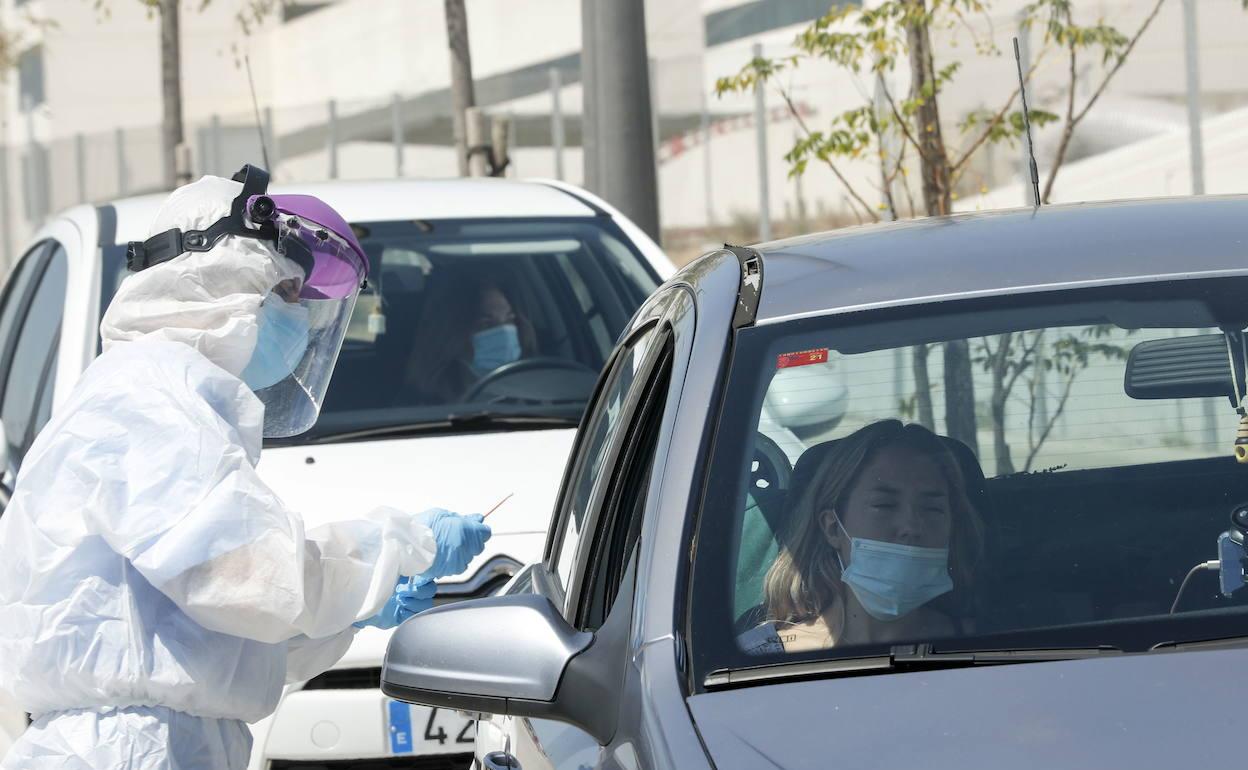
1196, 366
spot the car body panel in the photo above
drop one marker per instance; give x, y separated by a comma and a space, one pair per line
1002, 252
1159, 710
474, 472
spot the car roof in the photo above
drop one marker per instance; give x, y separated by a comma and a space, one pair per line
1003, 252
399, 199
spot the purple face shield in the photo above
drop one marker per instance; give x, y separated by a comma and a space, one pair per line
318, 239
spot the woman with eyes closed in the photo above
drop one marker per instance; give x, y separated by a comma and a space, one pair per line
883, 529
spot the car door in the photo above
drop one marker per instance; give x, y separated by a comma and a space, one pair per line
597, 523
30, 324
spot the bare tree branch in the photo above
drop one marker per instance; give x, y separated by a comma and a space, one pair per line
801, 123
957, 168
1057, 413
1069, 129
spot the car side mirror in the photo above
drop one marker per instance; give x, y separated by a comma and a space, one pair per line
511, 655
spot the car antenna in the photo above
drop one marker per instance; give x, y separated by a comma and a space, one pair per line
1031, 148
255, 106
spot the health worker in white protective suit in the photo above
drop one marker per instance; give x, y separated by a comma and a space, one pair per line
155, 594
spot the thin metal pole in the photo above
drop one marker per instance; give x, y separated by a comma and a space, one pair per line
80, 165
591, 174
1024, 161
1196, 150
760, 126
123, 180
396, 126
214, 131
556, 121
270, 131
652, 72
707, 184
333, 139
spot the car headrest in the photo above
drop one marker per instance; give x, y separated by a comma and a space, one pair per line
812, 458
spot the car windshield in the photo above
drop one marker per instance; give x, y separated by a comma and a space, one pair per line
470, 325
986, 475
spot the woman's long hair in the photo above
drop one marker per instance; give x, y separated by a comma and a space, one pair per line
805, 577
439, 366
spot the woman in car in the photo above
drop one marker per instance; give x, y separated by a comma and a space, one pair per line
468, 329
883, 529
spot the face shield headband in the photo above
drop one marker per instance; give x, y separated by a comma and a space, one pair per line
333, 266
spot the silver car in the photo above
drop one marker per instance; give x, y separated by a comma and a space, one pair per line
1020, 543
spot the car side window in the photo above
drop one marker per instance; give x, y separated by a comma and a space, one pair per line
30, 368
619, 525
601, 427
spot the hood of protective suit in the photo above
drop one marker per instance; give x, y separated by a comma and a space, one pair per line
208, 300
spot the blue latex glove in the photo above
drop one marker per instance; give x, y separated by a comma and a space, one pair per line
459, 539
411, 595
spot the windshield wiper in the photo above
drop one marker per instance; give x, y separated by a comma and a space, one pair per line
455, 423
904, 657
1216, 643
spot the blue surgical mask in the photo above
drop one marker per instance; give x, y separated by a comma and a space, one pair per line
890, 579
281, 341
495, 347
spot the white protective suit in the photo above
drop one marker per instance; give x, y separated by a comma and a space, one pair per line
155, 594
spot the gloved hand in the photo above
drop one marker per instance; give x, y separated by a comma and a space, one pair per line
411, 595
459, 539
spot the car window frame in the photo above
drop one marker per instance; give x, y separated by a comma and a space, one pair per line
46, 376
594, 414
620, 504
37, 257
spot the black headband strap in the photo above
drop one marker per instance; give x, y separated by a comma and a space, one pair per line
165, 246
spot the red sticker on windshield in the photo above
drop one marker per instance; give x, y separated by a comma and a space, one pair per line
802, 358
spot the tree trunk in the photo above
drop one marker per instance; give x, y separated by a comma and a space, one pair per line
923, 387
1001, 447
172, 135
462, 95
938, 200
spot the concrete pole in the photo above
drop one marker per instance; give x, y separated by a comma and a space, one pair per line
80, 166
396, 128
332, 139
619, 109
123, 175
760, 129
474, 134
1024, 168
556, 121
1196, 150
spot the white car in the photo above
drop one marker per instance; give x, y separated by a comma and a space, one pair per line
410, 419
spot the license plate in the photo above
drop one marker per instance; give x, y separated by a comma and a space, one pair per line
423, 730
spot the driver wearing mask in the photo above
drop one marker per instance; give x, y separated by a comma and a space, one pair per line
883, 530
468, 330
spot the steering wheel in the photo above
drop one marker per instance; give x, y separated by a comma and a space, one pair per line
530, 366
770, 464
